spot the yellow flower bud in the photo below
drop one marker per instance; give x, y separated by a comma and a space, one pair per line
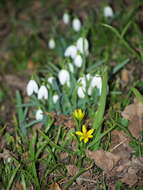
79, 114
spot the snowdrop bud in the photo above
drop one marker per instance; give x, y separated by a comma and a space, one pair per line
71, 67
76, 24
55, 98
51, 43
50, 80
66, 18
71, 51
108, 12
43, 93
64, 76
39, 114
31, 87
82, 45
96, 82
81, 92
78, 61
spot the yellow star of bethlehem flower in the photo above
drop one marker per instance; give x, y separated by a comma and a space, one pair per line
79, 114
84, 134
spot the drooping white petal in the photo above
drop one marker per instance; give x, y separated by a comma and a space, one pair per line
52, 43
55, 98
66, 18
31, 87
71, 51
89, 91
50, 80
43, 93
39, 114
76, 24
82, 45
63, 76
78, 61
96, 82
88, 76
108, 11
81, 92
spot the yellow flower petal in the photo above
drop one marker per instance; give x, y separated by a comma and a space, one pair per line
79, 133
90, 136
85, 140
81, 138
90, 131
84, 130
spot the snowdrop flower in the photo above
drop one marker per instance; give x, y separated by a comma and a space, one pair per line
43, 93
82, 87
78, 61
51, 43
66, 18
76, 24
71, 51
81, 92
31, 87
39, 114
71, 67
50, 80
96, 82
82, 82
64, 77
108, 11
82, 45
55, 98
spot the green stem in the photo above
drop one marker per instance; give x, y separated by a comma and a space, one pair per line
98, 117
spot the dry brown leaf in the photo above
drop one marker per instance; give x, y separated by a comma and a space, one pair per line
72, 169
130, 177
115, 166
63, 155
104, 160
125, 76
55, 186
18, 186
120, 144
134, 113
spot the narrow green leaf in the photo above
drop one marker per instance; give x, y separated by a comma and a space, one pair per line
138, 95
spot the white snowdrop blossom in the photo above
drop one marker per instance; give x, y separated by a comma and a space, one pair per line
32, 87
43, 93
78, 61
50, 80
55, 98
81, 92
108, 11
52, 43
76, 24
71, 67
71, 51
96, 82
64, 77
39, 114
82, 87
82, 82
66, 18
82, 45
